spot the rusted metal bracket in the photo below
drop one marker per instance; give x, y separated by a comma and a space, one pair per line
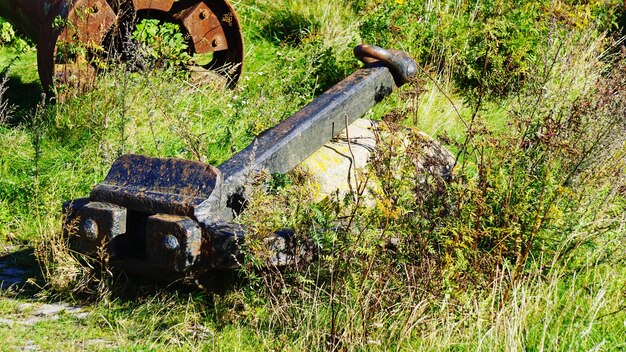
171, 218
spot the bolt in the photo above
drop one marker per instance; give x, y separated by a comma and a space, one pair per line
89, 229
170, 243
203, 14
216, 42
95, 9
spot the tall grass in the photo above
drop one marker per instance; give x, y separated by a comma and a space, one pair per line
516, 253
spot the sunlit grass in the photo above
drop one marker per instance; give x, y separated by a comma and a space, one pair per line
61, 151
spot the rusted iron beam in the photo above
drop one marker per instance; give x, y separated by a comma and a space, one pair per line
171, 217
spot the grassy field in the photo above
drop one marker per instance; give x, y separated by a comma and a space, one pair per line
522, 250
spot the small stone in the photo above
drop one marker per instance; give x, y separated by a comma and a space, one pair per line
5, 321
24, 307
81, 315
50, 309
100, 343
30, 346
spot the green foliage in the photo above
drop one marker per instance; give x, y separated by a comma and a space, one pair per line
523, 198
323, 70
163, 43
486, 45
8, 36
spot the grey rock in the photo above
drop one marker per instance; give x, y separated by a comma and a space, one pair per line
335, 167
33, 313
50, 309
30, 346
338, 166
5, 321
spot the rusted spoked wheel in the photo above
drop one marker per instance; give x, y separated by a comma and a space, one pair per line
71, 30
98, 30
214, 29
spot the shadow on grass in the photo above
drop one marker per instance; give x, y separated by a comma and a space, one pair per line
23, 95
132, 287
21, 278
22, 90
16, 268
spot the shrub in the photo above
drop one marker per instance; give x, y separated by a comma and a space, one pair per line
484, 44
9, 37
518, 203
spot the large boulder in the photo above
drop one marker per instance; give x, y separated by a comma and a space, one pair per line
337, 167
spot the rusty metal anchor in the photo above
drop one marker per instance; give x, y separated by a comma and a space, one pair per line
171, 218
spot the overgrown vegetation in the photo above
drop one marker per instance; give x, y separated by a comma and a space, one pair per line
161, 42
523, 248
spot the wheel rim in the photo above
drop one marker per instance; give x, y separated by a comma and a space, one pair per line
66, 57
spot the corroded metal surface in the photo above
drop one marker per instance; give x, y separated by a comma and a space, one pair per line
172, 242
281, 148
178, 216
98, 226
155, 185
401, 64
60, 27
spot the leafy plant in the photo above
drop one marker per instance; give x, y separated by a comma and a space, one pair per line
8, 36
484, 44
163, 42
517, 205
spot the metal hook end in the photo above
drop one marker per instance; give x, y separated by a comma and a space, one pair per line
399, 62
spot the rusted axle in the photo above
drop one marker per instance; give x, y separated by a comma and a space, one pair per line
74, 36
170, 218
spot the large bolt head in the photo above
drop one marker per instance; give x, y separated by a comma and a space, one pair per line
170, 243
89, 229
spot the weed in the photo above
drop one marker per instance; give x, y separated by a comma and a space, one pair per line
488, 44
6, 108
9, 37
163, 43
503, 219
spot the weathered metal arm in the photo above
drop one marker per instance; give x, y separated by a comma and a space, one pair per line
172, 215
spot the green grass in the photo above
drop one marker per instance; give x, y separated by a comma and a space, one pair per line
24, 89
578, 311
447, 295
